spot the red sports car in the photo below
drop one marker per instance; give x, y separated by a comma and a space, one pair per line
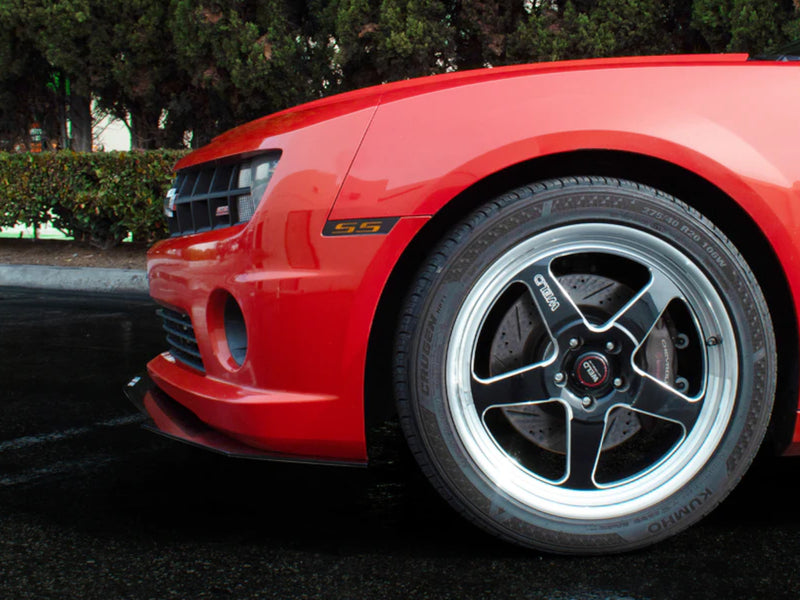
576, 283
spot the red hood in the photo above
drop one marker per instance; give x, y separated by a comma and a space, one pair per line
250, 136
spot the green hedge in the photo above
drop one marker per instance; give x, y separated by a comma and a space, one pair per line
97, 197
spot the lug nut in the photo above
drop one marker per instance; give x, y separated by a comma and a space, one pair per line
610, 346
681, 341
618, 382
586, 402
574, 343
559, 377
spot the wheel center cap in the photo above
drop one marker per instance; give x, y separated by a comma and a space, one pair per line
591, 370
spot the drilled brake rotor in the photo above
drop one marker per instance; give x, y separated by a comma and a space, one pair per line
521, 339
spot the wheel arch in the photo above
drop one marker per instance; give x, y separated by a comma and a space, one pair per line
675, 180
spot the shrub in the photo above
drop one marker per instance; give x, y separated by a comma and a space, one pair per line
97, 197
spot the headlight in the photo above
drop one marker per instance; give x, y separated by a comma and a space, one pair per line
169, 202
255, 175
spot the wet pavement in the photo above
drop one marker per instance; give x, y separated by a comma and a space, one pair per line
91, 506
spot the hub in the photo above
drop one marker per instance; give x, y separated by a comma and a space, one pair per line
591, 371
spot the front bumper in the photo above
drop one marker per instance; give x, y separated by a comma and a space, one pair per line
299, 392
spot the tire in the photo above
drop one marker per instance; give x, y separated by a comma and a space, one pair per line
584, 366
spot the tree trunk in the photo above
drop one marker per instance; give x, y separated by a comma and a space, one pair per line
144, 130
63, 139
80, 116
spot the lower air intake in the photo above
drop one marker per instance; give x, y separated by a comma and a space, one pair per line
180, 337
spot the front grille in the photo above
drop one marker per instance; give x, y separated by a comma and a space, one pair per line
180, 337
206, 198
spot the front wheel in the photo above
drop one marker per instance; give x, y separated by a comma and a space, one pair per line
585, 366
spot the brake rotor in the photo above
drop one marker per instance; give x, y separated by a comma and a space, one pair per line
521, 339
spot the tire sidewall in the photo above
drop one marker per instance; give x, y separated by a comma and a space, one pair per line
519, 216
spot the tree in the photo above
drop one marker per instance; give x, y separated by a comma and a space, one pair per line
115, 52
60, 31
135, 75
386, 40
244, 59
25, 96
484, 30
743, 25
168, 67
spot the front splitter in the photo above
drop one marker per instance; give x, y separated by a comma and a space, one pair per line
170, 419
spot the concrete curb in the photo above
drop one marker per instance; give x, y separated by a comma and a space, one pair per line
75, 279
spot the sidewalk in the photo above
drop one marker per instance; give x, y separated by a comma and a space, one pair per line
75, 279
53, 263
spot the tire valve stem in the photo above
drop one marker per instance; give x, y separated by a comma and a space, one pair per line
713, 341
681, 384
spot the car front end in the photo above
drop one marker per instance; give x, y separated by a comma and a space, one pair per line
265, 304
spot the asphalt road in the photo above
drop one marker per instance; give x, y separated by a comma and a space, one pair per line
91, 506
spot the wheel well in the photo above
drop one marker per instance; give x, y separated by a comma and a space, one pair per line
683, 184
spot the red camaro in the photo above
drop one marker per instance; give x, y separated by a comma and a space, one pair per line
576, 283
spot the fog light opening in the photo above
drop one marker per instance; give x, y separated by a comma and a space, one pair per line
235, 331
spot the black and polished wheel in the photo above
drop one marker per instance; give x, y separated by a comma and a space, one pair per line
585, 365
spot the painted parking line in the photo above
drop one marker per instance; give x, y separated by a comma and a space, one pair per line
57, 436
60, 468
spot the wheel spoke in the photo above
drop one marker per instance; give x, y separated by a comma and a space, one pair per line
554, 304
640, 315
585, 441
659, 400
518, 387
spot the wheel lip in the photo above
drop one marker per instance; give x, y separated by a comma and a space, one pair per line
672, 472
